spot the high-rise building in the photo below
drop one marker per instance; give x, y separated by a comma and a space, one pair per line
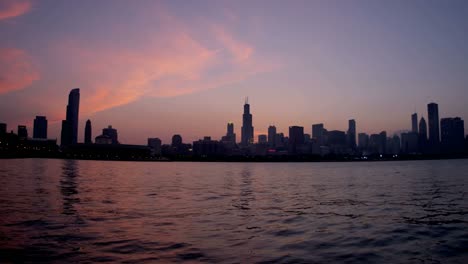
363, 141
70, 125
22, 132
414, 123
262, 139
176, 141
280, 140
383, 142
112, 133
3, 128
452, 134
422, 142
155, 146
409, 143
247, 128
296, 138
271, 135
40, 127
230, 135
88, 133
351, 135
65, 133
434, 132
318, 134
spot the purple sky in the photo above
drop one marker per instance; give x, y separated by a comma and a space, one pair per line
154, 69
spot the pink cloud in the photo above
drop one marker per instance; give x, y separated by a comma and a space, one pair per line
240, 51
13, 8
16, 70
166, 64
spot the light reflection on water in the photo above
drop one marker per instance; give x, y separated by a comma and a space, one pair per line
81, 211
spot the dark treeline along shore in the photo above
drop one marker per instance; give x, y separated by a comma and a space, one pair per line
437, 139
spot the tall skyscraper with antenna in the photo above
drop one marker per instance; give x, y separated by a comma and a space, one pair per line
247, 136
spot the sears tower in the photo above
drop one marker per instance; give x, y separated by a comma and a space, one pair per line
69, 133
247, 128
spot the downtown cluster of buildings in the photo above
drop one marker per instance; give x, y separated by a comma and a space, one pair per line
437, 136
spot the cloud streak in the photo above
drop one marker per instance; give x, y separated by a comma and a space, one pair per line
13, 8
173, 65
16, 70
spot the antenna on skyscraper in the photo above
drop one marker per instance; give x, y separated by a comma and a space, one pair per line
246, 100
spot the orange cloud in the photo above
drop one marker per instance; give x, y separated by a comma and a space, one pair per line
13, 8
16, 70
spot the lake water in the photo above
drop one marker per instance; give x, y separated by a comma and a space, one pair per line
103, 211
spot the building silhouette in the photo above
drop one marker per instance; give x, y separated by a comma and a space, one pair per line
393, 145
296, 138
111, 133
207, 148
88, 133
280, 140
176, 140
230, 136
351, 135
247, 133
22, 132
155, 146
262, 139
318, 134
337, 141
3, 129
434, 131
422, 142
40, 127
410, 142
452, 135
103, 140
69, 133
363, 141
271, 136
414, 123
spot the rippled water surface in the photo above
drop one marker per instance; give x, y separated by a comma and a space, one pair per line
100, 211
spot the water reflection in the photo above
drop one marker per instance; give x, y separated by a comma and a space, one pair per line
69, 186
246, 193
40, 190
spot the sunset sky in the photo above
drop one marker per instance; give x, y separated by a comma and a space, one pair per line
158, 68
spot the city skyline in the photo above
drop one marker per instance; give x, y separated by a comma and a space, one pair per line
372, 62
441, 134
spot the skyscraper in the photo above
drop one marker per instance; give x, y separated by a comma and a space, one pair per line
271, 135
112, 133
247, 128
230, 133
434, 132
318, 133
363, 141
22, 132
296, 138
176, 141
422, 135
262, 139
3, 128
351, 135
414, 123
70, 125
88, 133
40, 127
452, 134
155, 146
